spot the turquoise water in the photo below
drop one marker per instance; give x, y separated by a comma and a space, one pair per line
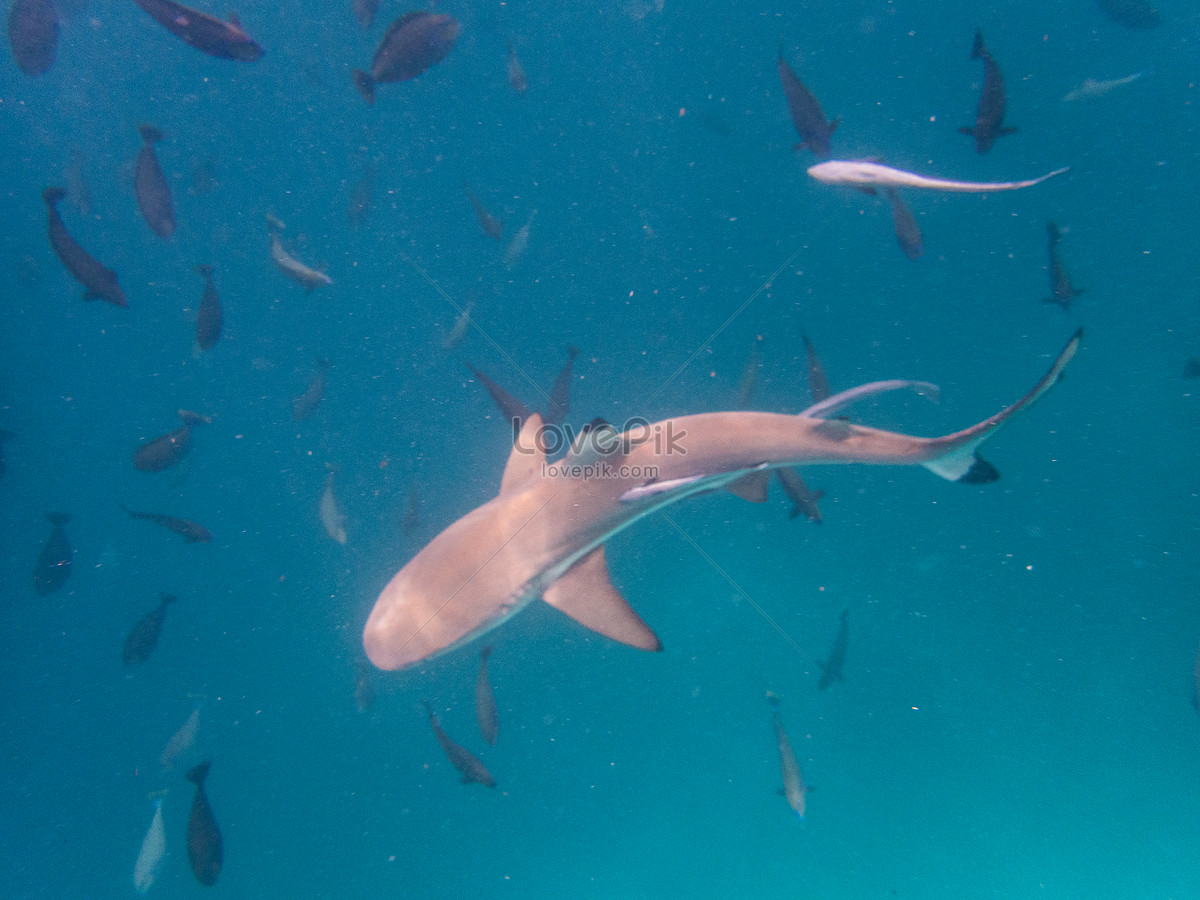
1015, 720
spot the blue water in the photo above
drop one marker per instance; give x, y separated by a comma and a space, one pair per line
1015, 721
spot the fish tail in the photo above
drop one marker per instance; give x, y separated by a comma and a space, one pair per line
485, 653
58, 518
1053, 233
978, 50
52, 195
150, 134
198, 773
773, 699
958, 458
365, 84
205, 269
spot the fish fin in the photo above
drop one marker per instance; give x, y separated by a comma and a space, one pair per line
365, 84
978, 50
1007, 130
52, 195
585, 593
198, 773
967, 129
752, 486
527, 458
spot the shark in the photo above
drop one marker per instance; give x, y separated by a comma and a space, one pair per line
543, 536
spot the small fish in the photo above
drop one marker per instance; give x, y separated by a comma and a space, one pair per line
794, 788
33, 35
486, 713
514, 411
209, 318
143, 638
807, 115
189, 531
491, 226
364, 693
294, 269
804, 499
204, 848
466, 762
904, 223
1062, 291
412, 43
560, 393
1131, 13
818, 382
1091, 88
749, 380
516, 75
989, 117
154, 848
333, 520
181, 742
516, 247
868, 175
99, 283
364, 12
53, 565
168, 449
306, 404
224, 40
150, 185
362, 197
459, 330
831, 669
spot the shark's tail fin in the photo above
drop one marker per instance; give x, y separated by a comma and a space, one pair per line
959, 460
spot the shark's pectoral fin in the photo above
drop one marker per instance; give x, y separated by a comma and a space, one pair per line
527, 458
752, 486
585, 594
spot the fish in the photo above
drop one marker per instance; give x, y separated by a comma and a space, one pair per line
818, 382
204, 848
560, 393
512, 409
544, 534
908, 232
516, 74
1131, 13
804, 499
53, 566
486, 713
99, 283
794, 788
459, 329
224, 40
868, 175
364, 693
181, 742
831, 669
807, 115
143, 637
306, 404
154, 848
166, 450
362, 197
1191, 369
1062, 291
5, 435
209, 318
491, 226
308, 278
33, 35
1093, 88
749, 380
150, 185
517, 246
462, 759
189, 531
364, 12
333, 520
989, 115
412, 43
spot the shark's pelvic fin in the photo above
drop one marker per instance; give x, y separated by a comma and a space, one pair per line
752, 486
585, 594
527, 459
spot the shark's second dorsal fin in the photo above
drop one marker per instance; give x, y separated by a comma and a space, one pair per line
585, 594
527, 458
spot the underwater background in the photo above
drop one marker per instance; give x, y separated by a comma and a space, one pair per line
1016, 718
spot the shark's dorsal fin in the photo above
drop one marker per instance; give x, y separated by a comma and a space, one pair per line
752, 486
527, 458
585, 594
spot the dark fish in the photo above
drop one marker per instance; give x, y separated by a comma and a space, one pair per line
1062, 291
306, 404
203, 835
513, 409
804, 499
485, 701
33, 34
806, 111
831, 669
189, 531
142, 639
4, 436
818, 384
516, 74
99, 283
362, 197
794, 788
1130, 13
466, 762
491, 226
989, 117
168, 449
412, 44
209, 318
364, 12
1191, 369
364, 693
224, 40
150, 185
54, 562
560, 394
908, 233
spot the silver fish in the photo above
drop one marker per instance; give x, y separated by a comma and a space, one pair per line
869, 175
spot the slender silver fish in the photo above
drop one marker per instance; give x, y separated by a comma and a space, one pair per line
794, 788
869, 175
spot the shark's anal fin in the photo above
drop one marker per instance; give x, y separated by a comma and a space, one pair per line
585, 594
528, 456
